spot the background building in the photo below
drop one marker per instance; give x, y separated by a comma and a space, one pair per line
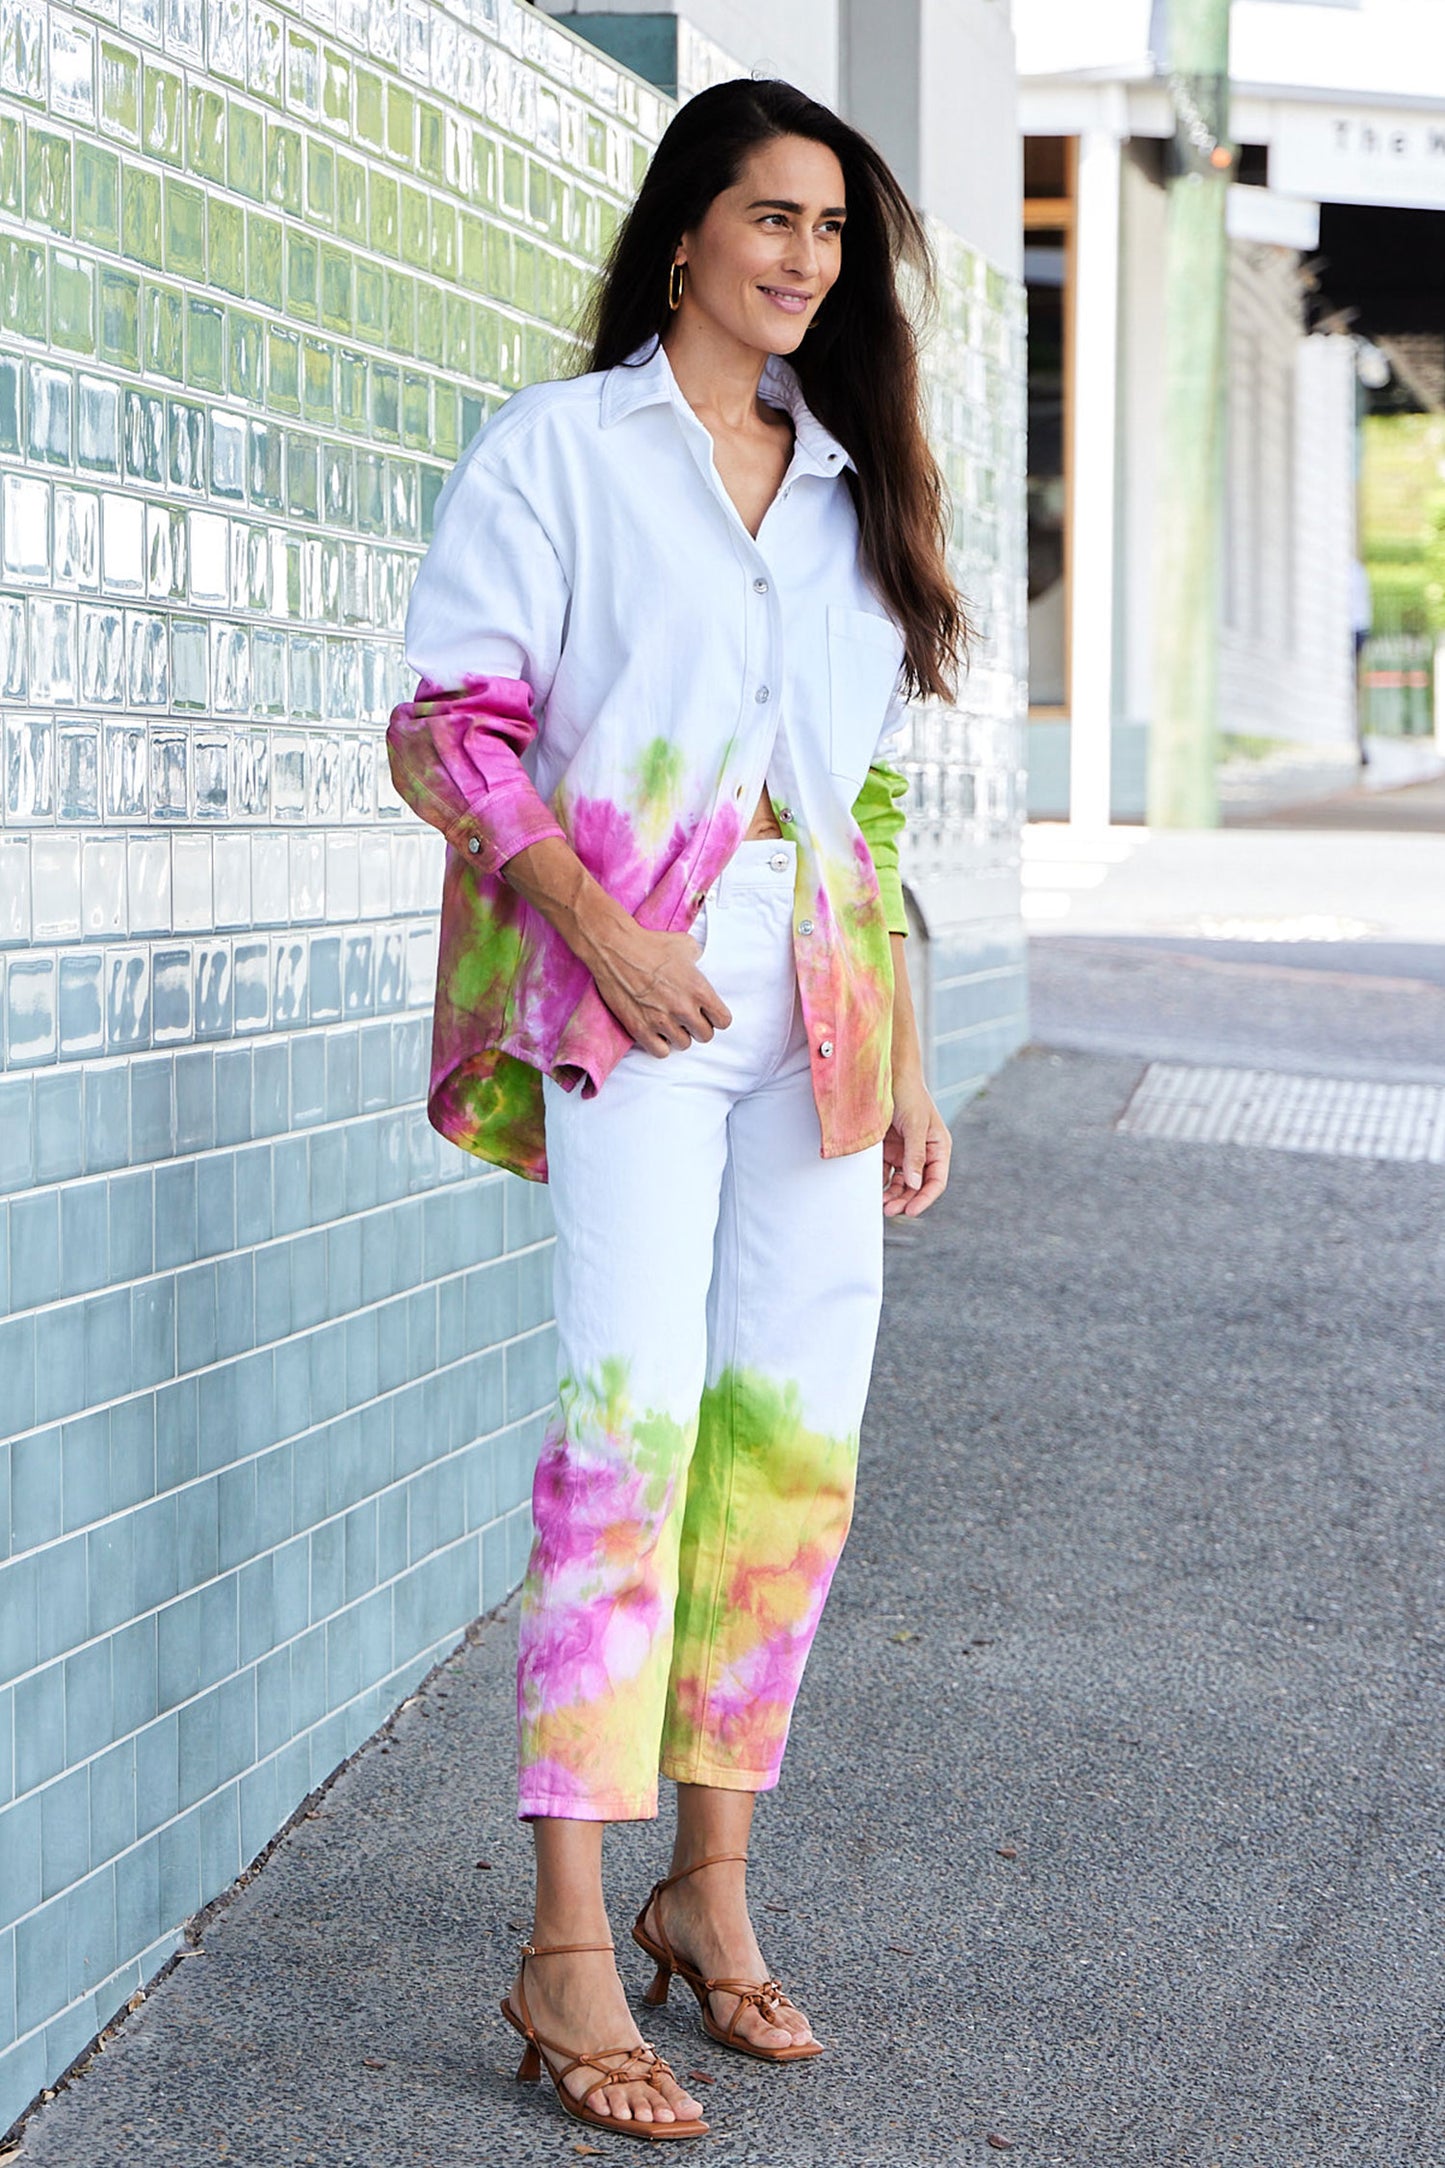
274, 1361
1337, 224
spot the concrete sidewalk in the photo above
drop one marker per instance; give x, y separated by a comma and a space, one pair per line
1112, 1825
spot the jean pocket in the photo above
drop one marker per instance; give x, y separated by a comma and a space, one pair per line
865, 655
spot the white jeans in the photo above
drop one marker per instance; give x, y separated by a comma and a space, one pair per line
717, 1290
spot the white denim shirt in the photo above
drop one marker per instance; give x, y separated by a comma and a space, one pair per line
606, 653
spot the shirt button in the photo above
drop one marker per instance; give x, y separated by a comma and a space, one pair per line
474, 844
805, 925
785, 812
826, 1047
779, 861
760, 587
762, 694
699, 899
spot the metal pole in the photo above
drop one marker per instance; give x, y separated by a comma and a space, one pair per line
1182, 787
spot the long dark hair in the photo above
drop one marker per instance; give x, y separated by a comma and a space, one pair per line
858, 365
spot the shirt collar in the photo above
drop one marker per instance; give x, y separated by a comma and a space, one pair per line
646, 379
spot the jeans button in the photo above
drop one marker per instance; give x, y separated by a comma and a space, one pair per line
826, 1047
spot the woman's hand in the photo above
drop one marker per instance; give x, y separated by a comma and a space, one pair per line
916, 1150
651, 983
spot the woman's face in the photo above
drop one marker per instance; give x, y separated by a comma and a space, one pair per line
767, 250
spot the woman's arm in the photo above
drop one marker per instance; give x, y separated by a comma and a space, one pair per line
917, 1148
650, 981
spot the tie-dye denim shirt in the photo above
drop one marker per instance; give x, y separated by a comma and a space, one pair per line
606, 654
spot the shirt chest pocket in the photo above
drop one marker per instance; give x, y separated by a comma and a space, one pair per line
865, 655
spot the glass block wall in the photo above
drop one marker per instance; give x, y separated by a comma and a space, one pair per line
967, 776
273, 1360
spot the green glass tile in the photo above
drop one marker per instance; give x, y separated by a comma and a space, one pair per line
247, 353
640, 159
338, 489
321, 183
351, 199
415, 227
10, 406
501, 275
400, 124
263, 259
302, 263
336, 305
549, 286
400, 313
430, 141
595, 146
10, 162
458, 352
351, 390
514, 181
537, 354
485, 168
208, 133
486, 334
539, 194
335, 88
119, 318
72, 302
385, 390
415, 412
246, 150
265, 479
607, 216
524, 276
140, 215
303, 486
404, 500
185, 230
430, 322
371, 493
284, 163
228, 246
47, 180
318, 381
303, 73
370, 110
119, 92
208, 345
163, 114
97, 195
283, 370
370, 302
385, 215
22, 287
445, 441
444, 250
474, 253
164, 337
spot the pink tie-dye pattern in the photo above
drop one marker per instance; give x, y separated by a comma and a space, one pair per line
513, 1003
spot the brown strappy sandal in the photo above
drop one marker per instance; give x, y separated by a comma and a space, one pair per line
649, 2064
765, 1995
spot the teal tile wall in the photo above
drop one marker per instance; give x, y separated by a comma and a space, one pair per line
274, 1362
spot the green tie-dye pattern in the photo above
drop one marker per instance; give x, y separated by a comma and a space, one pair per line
659, 775
675, 1582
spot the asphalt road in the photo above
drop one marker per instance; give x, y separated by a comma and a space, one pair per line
1114, 1820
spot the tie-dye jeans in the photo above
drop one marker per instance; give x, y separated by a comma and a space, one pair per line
717, 1289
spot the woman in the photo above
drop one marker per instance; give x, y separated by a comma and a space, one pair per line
665, 629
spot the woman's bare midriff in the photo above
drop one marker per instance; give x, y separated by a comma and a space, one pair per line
764, 821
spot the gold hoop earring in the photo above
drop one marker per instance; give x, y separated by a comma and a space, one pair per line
674, 286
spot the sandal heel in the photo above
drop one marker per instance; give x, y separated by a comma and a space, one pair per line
656, 1994
529, 2069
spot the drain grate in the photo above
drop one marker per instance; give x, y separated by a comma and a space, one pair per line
1337, 1115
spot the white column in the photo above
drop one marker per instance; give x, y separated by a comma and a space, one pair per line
1095, 406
